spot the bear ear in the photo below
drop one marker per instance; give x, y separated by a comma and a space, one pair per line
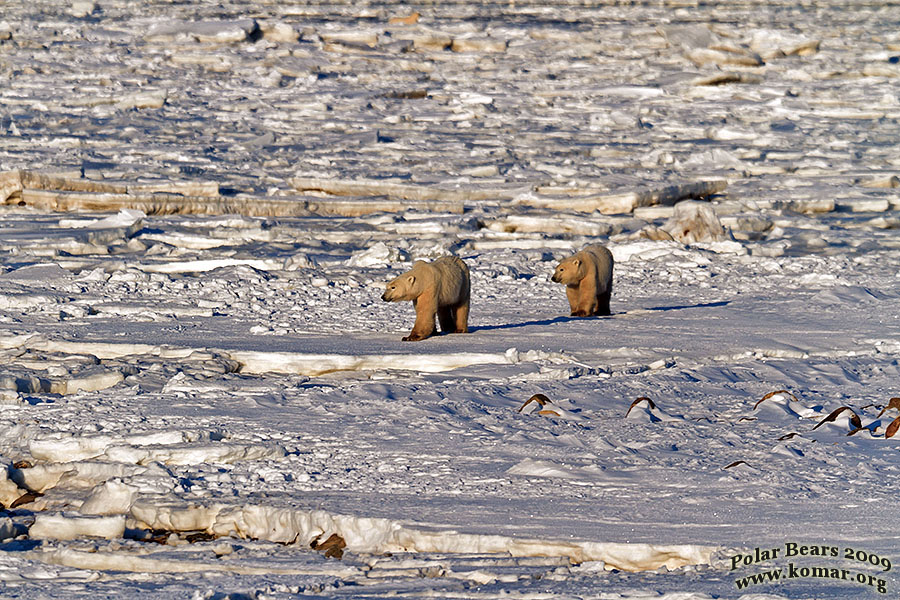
411, 279
577, 261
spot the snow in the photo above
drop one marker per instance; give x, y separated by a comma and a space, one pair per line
200, 205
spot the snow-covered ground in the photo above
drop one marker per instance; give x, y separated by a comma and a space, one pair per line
204, 396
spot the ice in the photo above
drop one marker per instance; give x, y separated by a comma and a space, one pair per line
694, 222
67, 526
200, 385
7, 528
80, 474
112, 497
381, 535
112, 561
378, 254
9, 491
66, 449
619, 203
219, 453
125, 218
200, 266
204, 31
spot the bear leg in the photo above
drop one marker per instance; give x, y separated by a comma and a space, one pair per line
603, 303
426, 308
446, 319
585, 302
572, 295
461, 318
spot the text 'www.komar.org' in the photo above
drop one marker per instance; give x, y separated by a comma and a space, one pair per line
792, 571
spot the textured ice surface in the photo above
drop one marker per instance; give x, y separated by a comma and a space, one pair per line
201, 203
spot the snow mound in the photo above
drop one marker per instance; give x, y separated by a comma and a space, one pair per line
849, 295
644, 409
784, 403
320, 364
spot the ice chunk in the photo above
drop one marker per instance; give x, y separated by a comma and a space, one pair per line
193, 454
204, 31
112, 497
9, 491
124, 218
694, 222
377, 255
73, 475
71, 526
65, 449
7, 529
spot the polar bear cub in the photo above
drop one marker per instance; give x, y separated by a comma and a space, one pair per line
587, 276
439, 288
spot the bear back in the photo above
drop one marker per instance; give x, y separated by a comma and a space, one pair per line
451, 278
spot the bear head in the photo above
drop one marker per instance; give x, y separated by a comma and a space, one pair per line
570, 271
405, 287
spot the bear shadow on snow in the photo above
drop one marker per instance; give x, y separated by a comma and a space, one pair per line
553, 321
686, 306
556, 320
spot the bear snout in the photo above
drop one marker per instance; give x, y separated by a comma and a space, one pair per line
384, 297
555, 278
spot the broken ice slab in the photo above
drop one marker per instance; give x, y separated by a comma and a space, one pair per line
13, 183
55, 193
255, 206
880, 181
725, 55
89, 379
351, 38
694, 222
425, 39
548, 224
802, 205
862, 204
473, 43
404, 191
626, 202
204, 31
726, 77
700, 44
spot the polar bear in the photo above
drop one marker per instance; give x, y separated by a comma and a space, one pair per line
439, 288
587, 276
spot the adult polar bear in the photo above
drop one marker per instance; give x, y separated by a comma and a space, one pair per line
439, 288
587, 276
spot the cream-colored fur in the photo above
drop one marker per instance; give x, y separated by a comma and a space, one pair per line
587, 276
439, 288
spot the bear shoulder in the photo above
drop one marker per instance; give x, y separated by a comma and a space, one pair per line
451, 263
598, 252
